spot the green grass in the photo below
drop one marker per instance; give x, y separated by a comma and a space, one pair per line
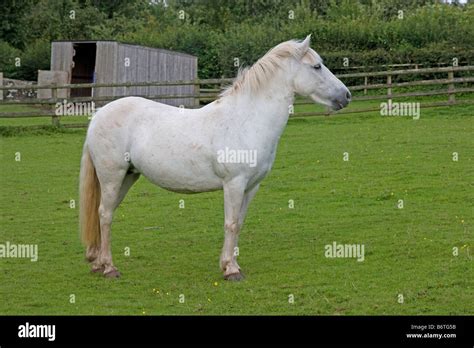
408, 251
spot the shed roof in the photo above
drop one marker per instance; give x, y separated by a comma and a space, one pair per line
130, 44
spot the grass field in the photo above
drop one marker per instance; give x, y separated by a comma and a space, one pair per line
175, 251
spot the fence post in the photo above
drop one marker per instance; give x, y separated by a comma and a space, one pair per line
54, 95
1, 85
452, 96
365, 84
389, 89
197, 95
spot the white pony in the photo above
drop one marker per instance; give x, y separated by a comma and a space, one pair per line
198, 150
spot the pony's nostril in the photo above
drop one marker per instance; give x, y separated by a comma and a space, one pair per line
348, 95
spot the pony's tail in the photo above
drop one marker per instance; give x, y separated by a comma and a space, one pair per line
89, 195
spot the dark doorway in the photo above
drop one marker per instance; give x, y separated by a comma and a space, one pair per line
84, 66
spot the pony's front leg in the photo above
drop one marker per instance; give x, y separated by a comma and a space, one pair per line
248, 196
233, 199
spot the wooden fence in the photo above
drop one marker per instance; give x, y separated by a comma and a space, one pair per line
208, 90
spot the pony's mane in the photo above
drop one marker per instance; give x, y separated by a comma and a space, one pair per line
254, 78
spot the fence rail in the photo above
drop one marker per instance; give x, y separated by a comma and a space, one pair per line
205, 93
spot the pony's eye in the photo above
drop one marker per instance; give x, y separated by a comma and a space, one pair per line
317, 66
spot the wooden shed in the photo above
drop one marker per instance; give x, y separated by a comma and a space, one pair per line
116, 62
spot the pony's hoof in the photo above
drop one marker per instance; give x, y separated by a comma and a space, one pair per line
112, 274
234, 276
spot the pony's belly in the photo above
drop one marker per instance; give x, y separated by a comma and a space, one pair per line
184, 181
189, 190
189, 187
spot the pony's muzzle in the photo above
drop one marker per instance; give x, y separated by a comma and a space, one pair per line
348, 96
343, 100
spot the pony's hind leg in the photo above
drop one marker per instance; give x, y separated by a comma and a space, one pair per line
92, 253
112, 194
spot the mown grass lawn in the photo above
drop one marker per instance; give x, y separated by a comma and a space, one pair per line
174, 251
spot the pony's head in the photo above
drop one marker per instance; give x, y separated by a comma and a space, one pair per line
312, 78
303, 70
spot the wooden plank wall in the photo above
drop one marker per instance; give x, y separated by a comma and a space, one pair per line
106, 67
149, 64
128, 53
121, 72
62, 57
145, 64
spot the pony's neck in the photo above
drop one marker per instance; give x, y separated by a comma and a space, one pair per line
268, 107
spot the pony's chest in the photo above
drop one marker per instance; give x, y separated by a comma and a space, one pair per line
264, 165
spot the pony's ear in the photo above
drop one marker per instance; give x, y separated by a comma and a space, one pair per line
304, 46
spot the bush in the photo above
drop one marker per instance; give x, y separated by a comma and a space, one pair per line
7, 59
217, 31
35, 57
